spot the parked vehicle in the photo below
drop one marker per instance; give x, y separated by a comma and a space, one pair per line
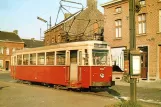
82, 64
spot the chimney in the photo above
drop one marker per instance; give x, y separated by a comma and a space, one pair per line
16, 32
92, 4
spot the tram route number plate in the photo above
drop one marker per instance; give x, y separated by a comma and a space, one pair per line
102, 68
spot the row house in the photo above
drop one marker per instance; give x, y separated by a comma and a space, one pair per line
32, 43
148, 34
86, 24
9, 42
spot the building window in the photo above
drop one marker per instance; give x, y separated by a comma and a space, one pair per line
118, 10
1, 50
159, 20
52, 40
7, 51
1, 64
142, 2
13, 50
142, 23
47, 42
118, 25
95, 27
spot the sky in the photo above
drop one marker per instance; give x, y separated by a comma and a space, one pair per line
22, 15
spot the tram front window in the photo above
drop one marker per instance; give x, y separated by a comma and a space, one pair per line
99, 57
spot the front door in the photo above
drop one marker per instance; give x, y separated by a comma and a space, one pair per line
160, 62
144, 61
144, 65
73, 66
7, 65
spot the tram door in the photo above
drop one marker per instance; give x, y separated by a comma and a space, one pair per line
73, 65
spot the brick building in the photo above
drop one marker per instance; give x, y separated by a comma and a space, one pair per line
9, 42
148, 34
86, 24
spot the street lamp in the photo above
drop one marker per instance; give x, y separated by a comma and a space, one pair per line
43, 20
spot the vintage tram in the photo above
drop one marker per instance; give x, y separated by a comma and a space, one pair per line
82, 64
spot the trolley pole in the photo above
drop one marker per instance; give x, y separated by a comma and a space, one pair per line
132, 47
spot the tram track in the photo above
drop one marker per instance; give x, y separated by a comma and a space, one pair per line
105, 93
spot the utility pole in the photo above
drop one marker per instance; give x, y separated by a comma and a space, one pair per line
40, 33
132, 24
132, 47
135, 60
50, 23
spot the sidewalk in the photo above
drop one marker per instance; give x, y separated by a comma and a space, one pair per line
142, 83
4, 71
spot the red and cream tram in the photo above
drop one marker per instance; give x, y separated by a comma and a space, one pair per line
73, 65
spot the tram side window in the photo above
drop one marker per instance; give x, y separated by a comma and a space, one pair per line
25, 59
41, 58
86, 57
19, 59
80, 57
73, 56
60, 58
50, 57
33, 59
15, 62
99, 57
12, 60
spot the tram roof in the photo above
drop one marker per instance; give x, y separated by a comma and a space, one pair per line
62, 45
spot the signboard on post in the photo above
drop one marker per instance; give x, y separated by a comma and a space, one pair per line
135, 63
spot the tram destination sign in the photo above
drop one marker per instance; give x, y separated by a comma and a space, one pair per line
100, 45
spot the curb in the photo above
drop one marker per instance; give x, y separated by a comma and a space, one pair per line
4, 72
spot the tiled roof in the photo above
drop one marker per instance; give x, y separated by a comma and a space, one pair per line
65, 20
31, 43
9, 36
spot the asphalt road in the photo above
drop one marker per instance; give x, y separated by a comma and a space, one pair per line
5, 77
152, 95
22, 95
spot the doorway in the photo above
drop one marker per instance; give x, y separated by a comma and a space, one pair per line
160, 62
144, 62
7, 65
73, 65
